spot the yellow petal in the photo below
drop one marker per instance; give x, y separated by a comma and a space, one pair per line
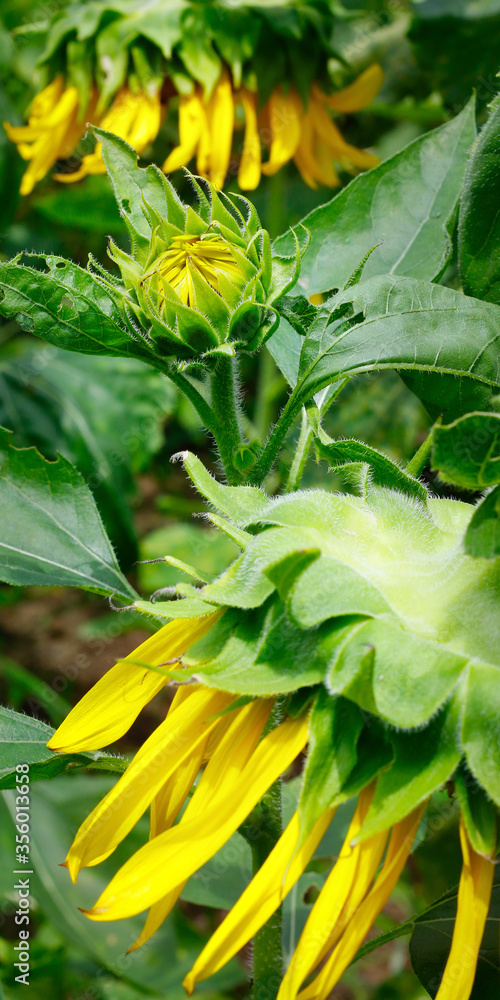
229, 795
221, 118
171, 744
146, 122
330, 134
285, 114
108, 710
358, 94
261, 899
249, 170
346, 886
474, 894
192, 122
52, 138
164, 810
400, 844
311, 166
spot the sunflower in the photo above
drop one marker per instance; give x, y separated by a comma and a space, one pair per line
341, 630
220, 66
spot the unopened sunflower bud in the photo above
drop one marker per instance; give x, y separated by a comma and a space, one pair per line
204, 282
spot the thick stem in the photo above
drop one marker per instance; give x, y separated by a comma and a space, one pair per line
227, 412
275, 440
300, 457
195, 397
268, 941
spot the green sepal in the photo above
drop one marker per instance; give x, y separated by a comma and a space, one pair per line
481, 726
467, 452
395, 674
482, 538
423, 762
334, 727
382, 471
478, 813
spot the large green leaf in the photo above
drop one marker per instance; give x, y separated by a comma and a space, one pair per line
479, 225
23, 740
62, 303
51, 530
431, 941
407, 205
103, 414
408, 325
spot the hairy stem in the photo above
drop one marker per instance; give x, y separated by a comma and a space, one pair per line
275, 440
227, 412
268, 941
300, 457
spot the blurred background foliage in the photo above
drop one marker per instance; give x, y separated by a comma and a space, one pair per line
119, 422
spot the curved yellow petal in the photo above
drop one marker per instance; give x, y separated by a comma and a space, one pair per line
285, 118
221, 117
250, 163
192, 122
358, 94
334, 139
314, 169
400, 844
108, 710
52, 135
172, 743
474, 894
344, 889
229, 794
261, 898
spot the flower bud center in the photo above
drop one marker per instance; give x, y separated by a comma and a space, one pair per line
209, 257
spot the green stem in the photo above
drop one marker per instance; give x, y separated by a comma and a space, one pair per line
268, 941
227, 411
300, 457
275, 440
195, 397
417, 464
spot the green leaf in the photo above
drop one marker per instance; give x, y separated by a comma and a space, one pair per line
66, 306
407, 204
334, 728
478, 812
479, 223
103, 414
408, 325
406, 207
394, 673
240, 503
134, 186
51, 530
481, 726
467, 452
382, 471
431, 941
23, 741
423, 761
482, 538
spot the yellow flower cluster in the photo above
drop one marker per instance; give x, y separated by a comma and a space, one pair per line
242, 760
288, 126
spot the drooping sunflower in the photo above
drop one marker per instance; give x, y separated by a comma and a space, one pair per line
357, 617
229, 68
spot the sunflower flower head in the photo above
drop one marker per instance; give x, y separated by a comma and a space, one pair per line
249, 84
332, 594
